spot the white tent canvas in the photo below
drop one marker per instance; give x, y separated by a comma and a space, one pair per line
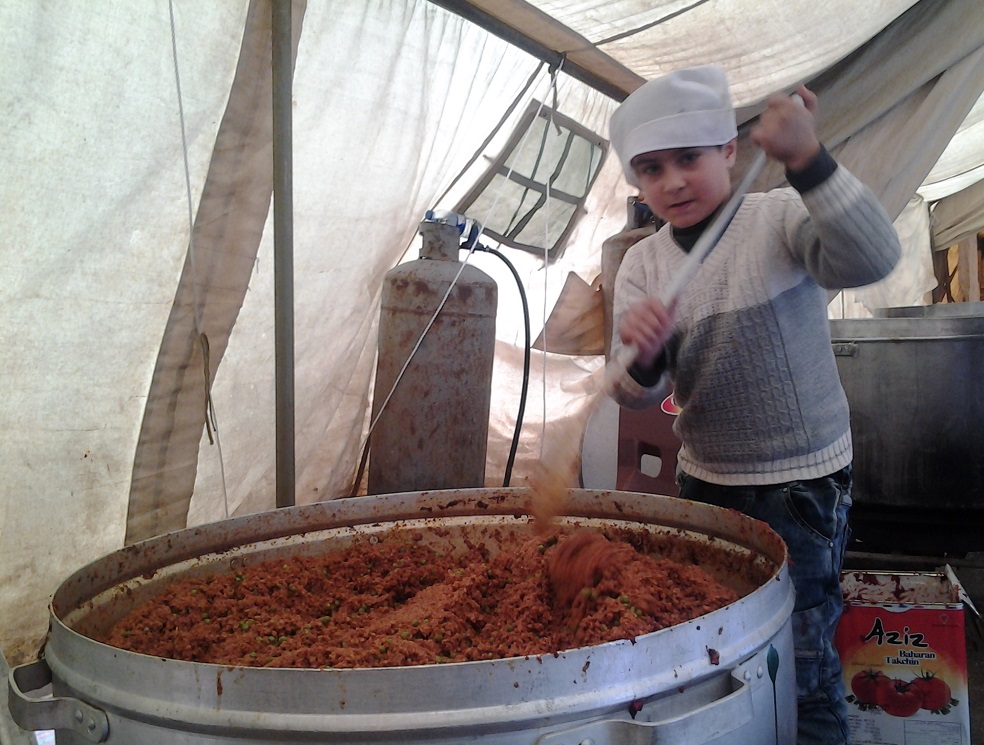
138, 255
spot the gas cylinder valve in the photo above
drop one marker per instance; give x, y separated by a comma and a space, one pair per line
468, 228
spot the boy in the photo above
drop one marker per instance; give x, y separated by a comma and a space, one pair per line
764, 426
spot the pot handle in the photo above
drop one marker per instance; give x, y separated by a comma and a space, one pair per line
696, 727
51, 713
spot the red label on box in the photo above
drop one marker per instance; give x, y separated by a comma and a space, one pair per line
905, 671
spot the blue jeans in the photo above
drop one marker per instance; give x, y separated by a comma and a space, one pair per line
811, 517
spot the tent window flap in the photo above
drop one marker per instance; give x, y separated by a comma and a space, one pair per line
533, 193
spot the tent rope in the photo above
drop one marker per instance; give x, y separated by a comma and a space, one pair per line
211, 421
554, 71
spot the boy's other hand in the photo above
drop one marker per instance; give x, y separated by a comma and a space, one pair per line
648, 325
787, 129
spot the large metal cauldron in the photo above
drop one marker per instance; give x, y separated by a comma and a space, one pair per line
916, 392
726, 677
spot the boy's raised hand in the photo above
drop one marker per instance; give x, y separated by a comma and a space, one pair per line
787, 130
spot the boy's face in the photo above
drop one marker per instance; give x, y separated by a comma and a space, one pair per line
685, 185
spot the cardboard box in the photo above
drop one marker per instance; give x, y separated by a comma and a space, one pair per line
903, 649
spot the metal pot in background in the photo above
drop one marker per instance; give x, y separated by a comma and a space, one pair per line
914, 382
724, 677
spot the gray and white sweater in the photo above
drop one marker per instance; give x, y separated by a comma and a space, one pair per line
752, 364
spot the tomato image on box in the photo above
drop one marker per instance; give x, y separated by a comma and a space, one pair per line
902, 645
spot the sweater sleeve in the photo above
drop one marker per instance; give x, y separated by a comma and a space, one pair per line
636, 389
849, 240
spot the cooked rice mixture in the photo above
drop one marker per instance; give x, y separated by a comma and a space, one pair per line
398, 599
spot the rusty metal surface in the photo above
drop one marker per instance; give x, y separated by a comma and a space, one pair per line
433, 432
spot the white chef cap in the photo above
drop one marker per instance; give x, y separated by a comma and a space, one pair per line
686, 108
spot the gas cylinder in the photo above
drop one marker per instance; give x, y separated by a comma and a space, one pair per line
433, 429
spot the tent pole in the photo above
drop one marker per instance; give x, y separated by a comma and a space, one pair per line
588, 64
283, 249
